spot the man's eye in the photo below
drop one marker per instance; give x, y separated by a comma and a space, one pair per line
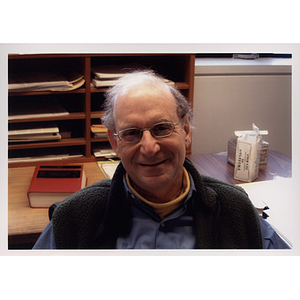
130, 133
162, 128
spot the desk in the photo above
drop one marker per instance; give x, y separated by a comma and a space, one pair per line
25, 224
215, 165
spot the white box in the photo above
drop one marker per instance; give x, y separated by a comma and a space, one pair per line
231, 149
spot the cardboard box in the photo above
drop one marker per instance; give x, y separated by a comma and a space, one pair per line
232, 150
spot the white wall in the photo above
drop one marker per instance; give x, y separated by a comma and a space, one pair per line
232, 94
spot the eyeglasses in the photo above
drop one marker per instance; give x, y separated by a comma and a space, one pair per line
134, 134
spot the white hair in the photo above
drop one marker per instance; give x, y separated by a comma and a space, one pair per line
131, 80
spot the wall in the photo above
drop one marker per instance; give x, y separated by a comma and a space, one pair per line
231, 94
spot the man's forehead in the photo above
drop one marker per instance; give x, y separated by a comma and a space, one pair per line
146, 89
145, 104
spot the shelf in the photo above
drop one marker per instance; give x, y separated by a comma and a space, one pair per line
179, 85
104, 139
77, 91
84, 104
46, 55
71, 116
182, 85
98, 90
59, 143
97, 114
70, 160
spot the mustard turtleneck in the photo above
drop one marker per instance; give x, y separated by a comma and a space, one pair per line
164, 209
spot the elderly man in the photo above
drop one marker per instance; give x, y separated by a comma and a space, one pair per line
156, 199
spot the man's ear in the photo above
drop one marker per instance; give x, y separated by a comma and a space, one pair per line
188, 130
112, 140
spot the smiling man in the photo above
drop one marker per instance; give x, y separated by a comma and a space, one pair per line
154, 160
156, 199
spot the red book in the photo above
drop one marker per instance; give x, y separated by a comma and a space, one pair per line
54, 183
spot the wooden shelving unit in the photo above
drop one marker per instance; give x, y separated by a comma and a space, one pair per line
84, 103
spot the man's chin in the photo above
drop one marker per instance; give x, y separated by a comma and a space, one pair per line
150, 184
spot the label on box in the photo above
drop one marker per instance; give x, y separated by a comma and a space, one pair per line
231, 151
243, 154
247, 161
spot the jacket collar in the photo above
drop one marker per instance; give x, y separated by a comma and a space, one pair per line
206, 195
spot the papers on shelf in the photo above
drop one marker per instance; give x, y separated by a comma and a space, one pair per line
44, 81
99, 130
45, 155
32, 129
104, 152
103, 83
33, 133
106, 76
44, 158
34, 137
35, 108
114, 71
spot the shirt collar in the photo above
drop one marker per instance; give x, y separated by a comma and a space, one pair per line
134, 196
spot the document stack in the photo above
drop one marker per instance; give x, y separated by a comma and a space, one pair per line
35, 108
45, 154
103, 152
99, 131
106, 76
33, 133
44, 81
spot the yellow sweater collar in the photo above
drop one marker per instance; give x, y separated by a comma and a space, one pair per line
164, 209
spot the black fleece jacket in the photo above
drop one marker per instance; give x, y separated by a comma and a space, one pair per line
94, 217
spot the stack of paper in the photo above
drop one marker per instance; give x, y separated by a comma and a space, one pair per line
106, 76
45, 156
35, 108
104, 152
99, 130
33, 133
44, 81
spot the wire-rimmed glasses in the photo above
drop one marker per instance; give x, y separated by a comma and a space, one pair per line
134, 134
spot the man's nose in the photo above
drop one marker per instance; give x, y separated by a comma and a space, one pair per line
149, 145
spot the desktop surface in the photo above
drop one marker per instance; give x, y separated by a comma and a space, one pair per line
25, 224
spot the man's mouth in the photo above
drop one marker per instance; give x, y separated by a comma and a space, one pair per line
154, 164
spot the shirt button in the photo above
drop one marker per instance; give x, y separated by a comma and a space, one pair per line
163, 224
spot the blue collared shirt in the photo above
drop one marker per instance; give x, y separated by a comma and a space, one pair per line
148, 231
175, 231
